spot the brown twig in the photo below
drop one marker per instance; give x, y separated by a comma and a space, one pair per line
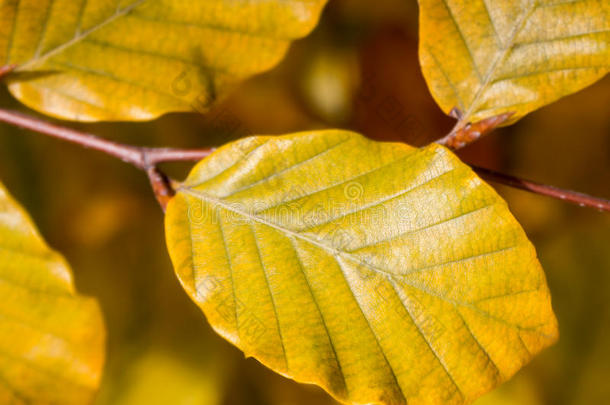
573, 197
164, 155
126, 153
147, 159
140, 157
143, 158
465, 133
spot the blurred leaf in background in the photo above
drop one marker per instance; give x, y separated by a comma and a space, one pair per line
160, 378
136, 60
49, 335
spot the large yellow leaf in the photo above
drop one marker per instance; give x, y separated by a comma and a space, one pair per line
136, 59
384, 273
488, 57
51, 340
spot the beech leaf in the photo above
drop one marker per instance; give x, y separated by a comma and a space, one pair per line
383, 273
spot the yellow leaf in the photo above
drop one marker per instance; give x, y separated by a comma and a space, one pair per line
488, 57
384, 273
95, 60
51, 340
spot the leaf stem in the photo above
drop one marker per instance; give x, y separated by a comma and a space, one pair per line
464, 134
161, 186
147, 159
5, 70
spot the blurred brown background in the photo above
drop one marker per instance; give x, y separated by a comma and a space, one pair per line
358, 70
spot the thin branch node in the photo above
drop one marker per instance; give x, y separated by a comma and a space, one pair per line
6, 70
161, 185
464, 134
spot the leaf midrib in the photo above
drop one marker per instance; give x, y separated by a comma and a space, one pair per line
283, 230
351, 257
79, 36
500, 57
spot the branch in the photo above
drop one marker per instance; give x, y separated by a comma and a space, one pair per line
142, 158
129, 154
147, 159
164, 155
465, 133
580, 199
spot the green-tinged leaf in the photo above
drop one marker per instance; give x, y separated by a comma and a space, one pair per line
137, 59
384, 273
488, 57
51, 340
158, 378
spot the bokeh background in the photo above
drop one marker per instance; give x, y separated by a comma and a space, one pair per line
358, 70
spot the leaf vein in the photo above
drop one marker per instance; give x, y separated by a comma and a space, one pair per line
563, 38
491, 361
291, 167
341, 183
28, 363
79, 20
368, 322
35, 328
459, 99
463, 38
43, 30
11, 39
491, 22
110, 76
110, 45
373, 204
415, 231
235, 164
500, 57
277, 318
69, 96
214, 27
426, 340
547, 70
119, 13
229, 262
316, 303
